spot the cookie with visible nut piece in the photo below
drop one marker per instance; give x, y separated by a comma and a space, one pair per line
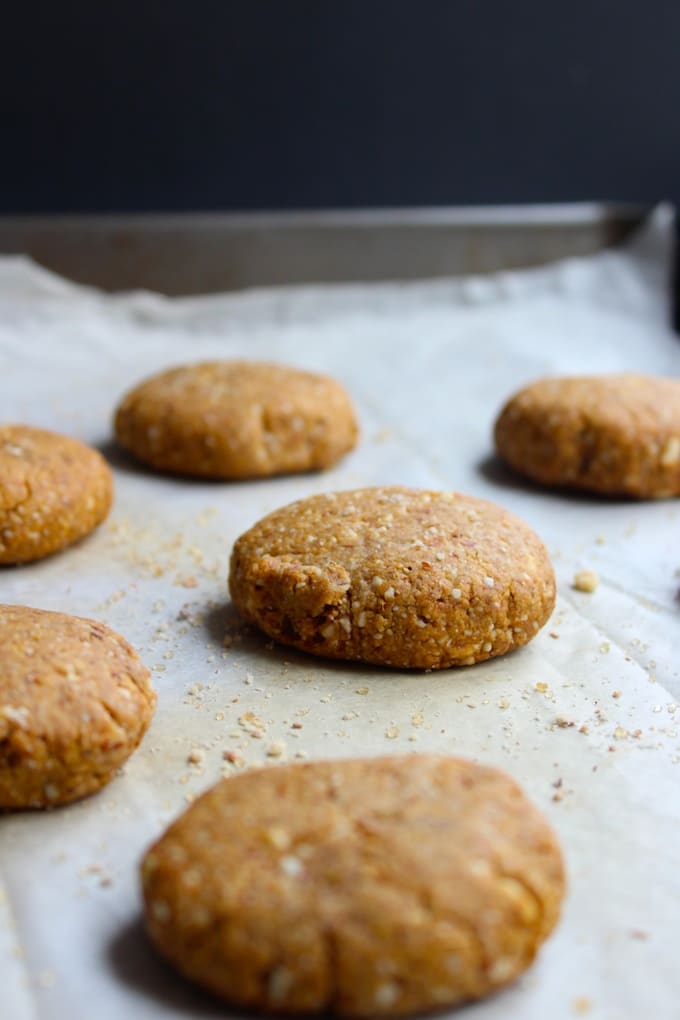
394, 576
617, 435
376, 887
54, 490
237, 420
75, 701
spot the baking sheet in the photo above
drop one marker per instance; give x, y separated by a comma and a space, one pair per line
428, 364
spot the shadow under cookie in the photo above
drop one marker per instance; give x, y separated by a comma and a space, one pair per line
222, 623
494, 470
135, 963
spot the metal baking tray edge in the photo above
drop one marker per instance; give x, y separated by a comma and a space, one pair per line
197, 253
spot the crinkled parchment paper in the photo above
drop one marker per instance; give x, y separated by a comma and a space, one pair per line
585, 717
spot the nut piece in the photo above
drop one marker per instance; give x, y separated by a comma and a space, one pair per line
377, 887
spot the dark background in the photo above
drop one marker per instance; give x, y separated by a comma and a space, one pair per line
261, 104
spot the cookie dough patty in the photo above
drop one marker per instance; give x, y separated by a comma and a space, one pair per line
394, 576
237, 420
54, 490
75, 701
617, 435
364, 888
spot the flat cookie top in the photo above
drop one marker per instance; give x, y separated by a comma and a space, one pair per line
237, 419
75, 700
615, 434
53, 491
392, 575
370, 886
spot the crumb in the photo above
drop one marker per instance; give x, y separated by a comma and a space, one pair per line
252, 724
233, 757
196, 756
276, 749
392, 732
582, 1004
187, 582
585, 580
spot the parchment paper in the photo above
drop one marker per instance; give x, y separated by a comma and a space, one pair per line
585, 717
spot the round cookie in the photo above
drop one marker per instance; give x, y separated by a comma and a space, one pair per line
394, 576
54, 490
376, 887
75, 701
618, 435
237, 419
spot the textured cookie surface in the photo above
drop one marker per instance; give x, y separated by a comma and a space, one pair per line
54, 490
237, 420
617, 435
75, 701
395, 576
370, 887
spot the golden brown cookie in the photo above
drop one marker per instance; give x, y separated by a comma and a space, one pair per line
377, 887
237, 419
613, 434
395, 576
75, 701
54, 490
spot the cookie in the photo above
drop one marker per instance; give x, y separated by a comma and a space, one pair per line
377, 887
237, 419
617, 435
75, 701
394, 576
54, 490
